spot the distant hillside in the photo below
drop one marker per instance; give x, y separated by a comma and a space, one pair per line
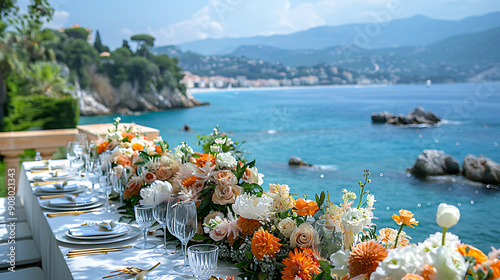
465, 49
414, 31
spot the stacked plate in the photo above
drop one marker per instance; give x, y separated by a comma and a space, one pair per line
97, 234
64, 187
71, 202
52, 176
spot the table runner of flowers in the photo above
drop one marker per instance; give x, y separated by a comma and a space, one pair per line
270, 234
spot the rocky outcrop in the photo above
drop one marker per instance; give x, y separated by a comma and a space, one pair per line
106, 99
481, 169
418, 116
435, 162
296, 161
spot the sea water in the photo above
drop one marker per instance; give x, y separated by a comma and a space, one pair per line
331, 128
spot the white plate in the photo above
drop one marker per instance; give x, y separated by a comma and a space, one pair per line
62, 176
83, 201
45, 204
95, 237
52, 188
132, 233
80, 189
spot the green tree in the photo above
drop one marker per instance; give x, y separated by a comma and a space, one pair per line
46, 78
144, 43
80, 55
98, 44
141, 71
77, 33
125, 45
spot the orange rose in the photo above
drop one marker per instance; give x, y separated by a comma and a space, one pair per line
225, 178
123, 160
163, 173
137, 147
149, 177
411, 276
111, 145
305, 207
405, 217
429, 272
473, 252
133, 187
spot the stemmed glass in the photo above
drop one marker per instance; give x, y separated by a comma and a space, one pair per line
160, 210
182, 224
119, 181
327, 239
92, 170
71, 155
203, 260
144, 218
105, 182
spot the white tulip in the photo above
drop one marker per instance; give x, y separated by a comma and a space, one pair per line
447, 215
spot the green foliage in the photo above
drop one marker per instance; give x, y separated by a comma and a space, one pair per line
143, 39
98, 44
140, 71
79, 55
38, 111
77, 33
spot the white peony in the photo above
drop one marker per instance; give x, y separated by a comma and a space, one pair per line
447, 215
398, 263
449, 263
251, 206
339, 259
287, 226
148, 194
354, 220
225, 160
435, 240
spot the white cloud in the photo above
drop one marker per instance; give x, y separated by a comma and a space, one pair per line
59, 20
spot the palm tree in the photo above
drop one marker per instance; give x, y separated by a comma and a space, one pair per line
46, 78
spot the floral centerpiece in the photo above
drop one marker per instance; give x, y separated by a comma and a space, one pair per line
271, 234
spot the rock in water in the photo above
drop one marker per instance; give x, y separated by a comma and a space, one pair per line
296, 161
481, 169
435, 162
418, 116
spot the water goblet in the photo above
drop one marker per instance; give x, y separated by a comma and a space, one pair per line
203, 260
92, 171
182, 223
71, 155
106, 186
160, 210
144, 218
119, 180
327, 239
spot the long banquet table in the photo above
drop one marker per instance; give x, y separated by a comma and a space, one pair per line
56, 265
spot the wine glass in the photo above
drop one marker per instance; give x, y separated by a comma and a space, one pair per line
184, 223
105, 182
71, 155
119, 181
144, 218
203, 260
327, 239
92, 171
160, 210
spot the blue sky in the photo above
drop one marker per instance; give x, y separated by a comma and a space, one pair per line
173, 22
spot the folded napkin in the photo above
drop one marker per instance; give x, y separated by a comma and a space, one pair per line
72, 200
59, 187
98, 228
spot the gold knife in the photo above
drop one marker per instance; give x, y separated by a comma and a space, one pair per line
75, 213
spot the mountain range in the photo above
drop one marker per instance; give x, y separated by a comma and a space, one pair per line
414, 31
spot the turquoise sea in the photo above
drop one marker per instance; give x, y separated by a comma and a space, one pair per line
331, 128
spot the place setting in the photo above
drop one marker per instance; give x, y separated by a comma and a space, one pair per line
60, 187
98, 232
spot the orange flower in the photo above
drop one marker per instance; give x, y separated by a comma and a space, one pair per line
133, 187
137, 147
102, 147
264, 243
123, 160
411, 276
365, 257
247, 226
495, 266
158, 149
405, 217
429, 272
202, 160
473, 252
300, 263
129, 135
305, 207
189, 181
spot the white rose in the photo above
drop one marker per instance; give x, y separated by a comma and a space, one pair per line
302, 236
339, 259
225, 160
255, 177
251, 206
447, 215
214, 149
220, 231
287, 226
449, 264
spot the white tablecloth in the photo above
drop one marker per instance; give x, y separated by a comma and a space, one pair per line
56, 265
